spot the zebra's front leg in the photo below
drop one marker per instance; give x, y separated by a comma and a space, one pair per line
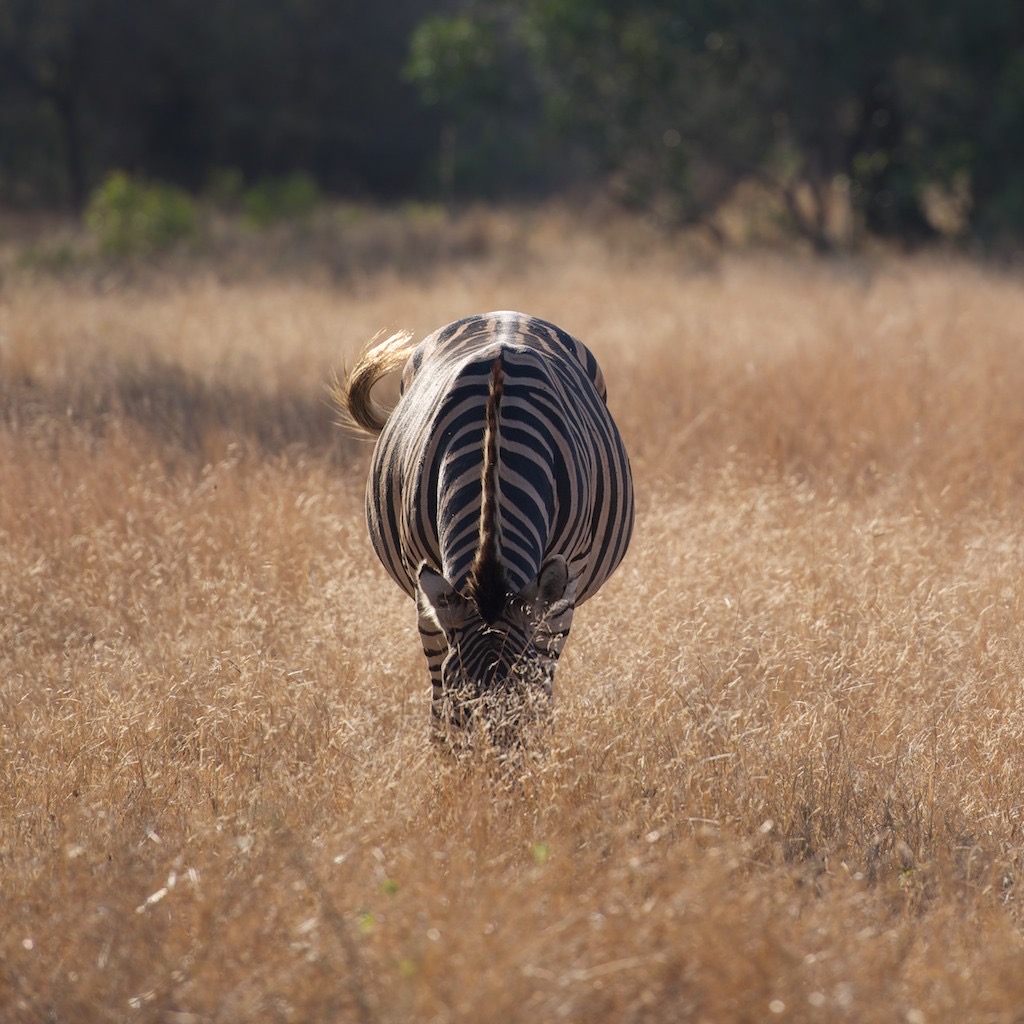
449, 712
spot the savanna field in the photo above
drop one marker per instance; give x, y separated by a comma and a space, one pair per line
785, 778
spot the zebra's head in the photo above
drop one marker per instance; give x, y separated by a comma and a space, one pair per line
499, 650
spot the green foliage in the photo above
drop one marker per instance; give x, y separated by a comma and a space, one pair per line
292, 197
473, 70
451, 60
129, 216
660, 95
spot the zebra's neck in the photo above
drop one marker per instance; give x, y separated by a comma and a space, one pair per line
488, 586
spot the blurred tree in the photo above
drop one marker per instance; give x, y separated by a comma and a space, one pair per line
881, 100
470, 68
662, 93
453, 61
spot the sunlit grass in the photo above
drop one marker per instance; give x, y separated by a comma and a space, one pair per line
783, 777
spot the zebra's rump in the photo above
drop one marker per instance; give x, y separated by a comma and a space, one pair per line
562, 471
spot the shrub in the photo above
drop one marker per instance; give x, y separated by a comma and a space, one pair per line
129, 216
292, 197
225, 188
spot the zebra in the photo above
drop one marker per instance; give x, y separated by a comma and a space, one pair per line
499, 497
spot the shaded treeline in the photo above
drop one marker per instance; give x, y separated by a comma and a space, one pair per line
907, 114
175, 89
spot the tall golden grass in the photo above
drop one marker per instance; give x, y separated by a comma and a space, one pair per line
786, 772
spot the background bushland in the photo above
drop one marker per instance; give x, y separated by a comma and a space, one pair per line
901, 120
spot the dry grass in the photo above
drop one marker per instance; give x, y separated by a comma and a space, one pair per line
786, 770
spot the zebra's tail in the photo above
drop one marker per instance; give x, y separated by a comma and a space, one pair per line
352, 396
487, 584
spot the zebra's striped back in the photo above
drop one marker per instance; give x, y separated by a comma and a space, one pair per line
499, 460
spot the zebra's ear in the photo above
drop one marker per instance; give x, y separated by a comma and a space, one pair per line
551, 584
441, 601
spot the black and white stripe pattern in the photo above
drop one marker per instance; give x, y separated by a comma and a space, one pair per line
499, 495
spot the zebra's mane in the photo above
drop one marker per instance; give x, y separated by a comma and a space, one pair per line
487, 585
